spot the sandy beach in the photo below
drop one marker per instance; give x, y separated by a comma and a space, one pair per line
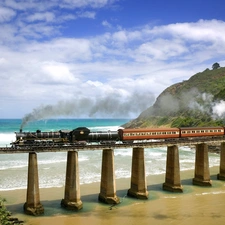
196, 205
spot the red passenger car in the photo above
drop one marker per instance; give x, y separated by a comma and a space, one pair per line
148, 133
201, 131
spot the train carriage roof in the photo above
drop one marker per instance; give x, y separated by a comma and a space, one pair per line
201, 128
150, 129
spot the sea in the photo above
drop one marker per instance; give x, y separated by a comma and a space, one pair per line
52, 166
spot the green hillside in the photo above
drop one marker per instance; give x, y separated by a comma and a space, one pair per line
193, 102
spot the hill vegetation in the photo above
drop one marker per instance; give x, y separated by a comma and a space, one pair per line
198, 101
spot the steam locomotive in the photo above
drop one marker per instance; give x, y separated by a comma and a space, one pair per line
83, 135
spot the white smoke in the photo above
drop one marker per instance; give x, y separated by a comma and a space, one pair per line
218, 109
202, 102
193, 100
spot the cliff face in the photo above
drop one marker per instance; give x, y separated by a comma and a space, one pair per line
194, 102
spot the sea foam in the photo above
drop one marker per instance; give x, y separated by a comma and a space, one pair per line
6, 139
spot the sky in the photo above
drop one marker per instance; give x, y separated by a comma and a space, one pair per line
102, 58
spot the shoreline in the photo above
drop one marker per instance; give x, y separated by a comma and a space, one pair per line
129, 210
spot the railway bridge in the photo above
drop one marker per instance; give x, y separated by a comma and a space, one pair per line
138, 185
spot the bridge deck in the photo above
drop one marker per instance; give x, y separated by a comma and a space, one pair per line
91, 147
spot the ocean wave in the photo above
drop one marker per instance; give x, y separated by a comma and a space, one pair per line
12, 167
13, 161
6, 139
52, 166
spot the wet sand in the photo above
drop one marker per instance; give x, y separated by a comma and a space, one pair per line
196, 205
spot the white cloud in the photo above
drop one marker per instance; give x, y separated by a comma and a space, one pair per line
6, 14
56, 73
203, 30
84, 3
87, 14
162, 49
45, 5
105, 23
46, 16
36, 31
120, 36
141, 60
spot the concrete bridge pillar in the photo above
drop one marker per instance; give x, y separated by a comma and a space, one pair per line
202, 176
33, 206
221, 175
72, 185
138, 187
108, 184
172, 180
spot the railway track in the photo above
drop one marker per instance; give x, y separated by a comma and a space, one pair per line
94, 147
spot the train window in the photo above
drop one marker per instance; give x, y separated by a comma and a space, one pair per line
202, 131
183, 132
198, 131
193, 131
211, 131
163, 132
153, 133
188, 132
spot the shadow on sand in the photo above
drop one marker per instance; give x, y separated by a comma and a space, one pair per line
90, 202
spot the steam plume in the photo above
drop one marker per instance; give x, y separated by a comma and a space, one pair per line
194, 100
114, 105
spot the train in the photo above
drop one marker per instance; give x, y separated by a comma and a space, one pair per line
83, 135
